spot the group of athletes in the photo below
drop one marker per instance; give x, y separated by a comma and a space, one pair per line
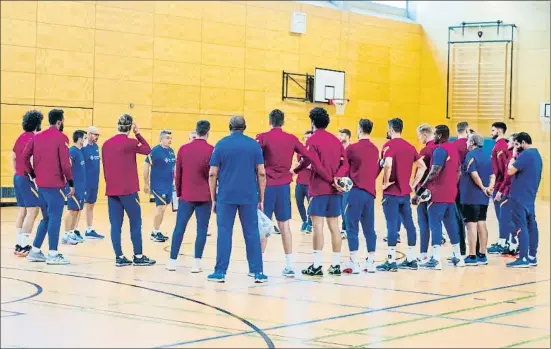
452, 185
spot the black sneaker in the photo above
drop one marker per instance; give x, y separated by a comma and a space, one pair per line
409, 265
388, 267
17, 250
122, 261
385, 239
334, 270
276, 230
158, 237
311, 271
143, 261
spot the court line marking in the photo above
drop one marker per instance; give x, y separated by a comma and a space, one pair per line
264, 336
357, 313
409, 335
12, 313
36, 293
527, 341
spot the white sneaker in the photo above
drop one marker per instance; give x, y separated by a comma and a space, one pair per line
369, 267
422, 262
68, 239
196, 268
344, 235
171, 265
57, 260
352, 268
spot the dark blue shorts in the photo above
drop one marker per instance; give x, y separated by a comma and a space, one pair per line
76, 202
162, 197
326, 206
26, 193
277, 199
91, 195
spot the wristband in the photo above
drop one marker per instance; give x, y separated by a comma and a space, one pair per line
420, 191
71, 183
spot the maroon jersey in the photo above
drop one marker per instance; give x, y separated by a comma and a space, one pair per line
303, 176
507, 180
51, 163
444, 186
119, 164
18, 148
192, 171
500, 162
403, 156
461, 146
426, 155
363, 158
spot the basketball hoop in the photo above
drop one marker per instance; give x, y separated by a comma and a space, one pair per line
340, 105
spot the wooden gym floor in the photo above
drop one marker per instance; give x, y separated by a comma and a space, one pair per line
91, 303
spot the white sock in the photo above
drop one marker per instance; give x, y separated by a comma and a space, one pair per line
411, 254
35, 249
336, 259
391, 254
24, 240
17, 230
371, 257
422, 255
197, 262
456, 251
289, 260
156, 231
354, 256
52, 253
501, 242
139, 255
89, 229
18, 239
436, 252
317, 258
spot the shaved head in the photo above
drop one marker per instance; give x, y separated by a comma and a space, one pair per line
237, 123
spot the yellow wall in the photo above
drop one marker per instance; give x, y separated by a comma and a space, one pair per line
531, 62
179, 62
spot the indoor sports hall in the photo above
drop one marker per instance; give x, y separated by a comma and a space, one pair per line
169, 64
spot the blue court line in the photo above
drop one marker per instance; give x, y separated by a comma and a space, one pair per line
257, 330
12, 313
36, 293
355, 314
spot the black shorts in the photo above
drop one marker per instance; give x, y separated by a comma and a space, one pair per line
474, 213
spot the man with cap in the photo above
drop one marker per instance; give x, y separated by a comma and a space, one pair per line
237, 166
122, 188
92, 164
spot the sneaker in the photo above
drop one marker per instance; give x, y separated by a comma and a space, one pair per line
311, 271
308, 229
533, 262
260, 278
352, 268
68, 239
334, 270
57, 260
303, 227
78, 237
387, 266
217, 277
158, 237
458, 262
509, 251
36, 256
171, 265
196, 268
433, 264
422, 262
288, 272
122, 261
519, 263
471, 261
276, 230
143, 261
409, 265
91, 234
17, 250
443, 241
482, 259
496, 249
369, 266
344, 236
450, 257
250, 274
25, 251
385, 239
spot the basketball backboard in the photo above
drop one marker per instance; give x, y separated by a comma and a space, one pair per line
328, 84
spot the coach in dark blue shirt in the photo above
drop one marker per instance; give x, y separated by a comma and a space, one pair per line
526, 166
237, 166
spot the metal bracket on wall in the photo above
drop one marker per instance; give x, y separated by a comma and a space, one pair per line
304, 82
500, 28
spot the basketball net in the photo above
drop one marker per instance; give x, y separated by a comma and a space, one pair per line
340, 105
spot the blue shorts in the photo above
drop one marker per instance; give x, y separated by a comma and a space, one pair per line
162, 197
91, 195
326, 206
277, 199
76, 202
26, 193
